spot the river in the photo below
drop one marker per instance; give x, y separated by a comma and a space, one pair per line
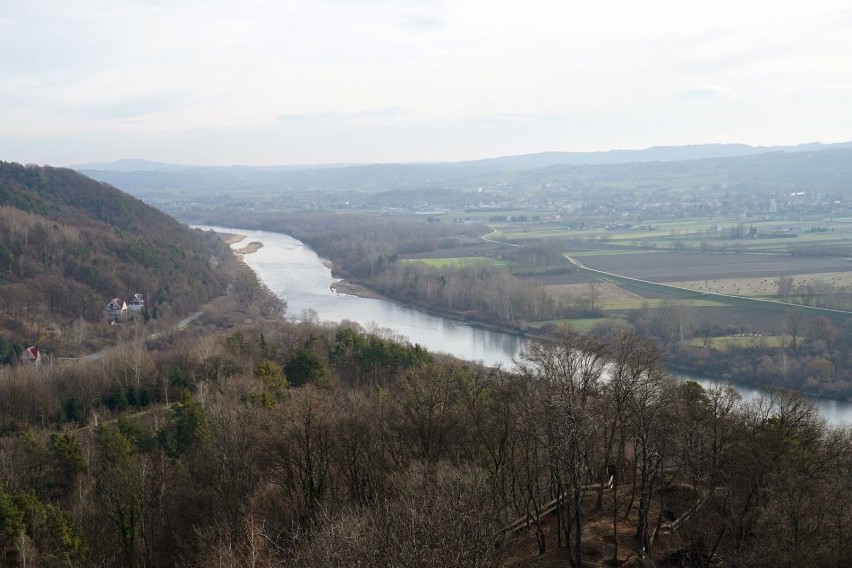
297, 274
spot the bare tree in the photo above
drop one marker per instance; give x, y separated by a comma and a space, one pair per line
594, 288
820, 328
792, 326
648, 406
568, 370
299, 449
784, 286
437, 515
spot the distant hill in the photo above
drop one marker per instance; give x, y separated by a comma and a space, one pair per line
146, 179
69, 244
523, 161
825, 169
654, 154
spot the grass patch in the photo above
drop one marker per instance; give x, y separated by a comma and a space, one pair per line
739, 341
458, 261
580, 324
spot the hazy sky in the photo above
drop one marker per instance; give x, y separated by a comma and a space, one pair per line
285, 82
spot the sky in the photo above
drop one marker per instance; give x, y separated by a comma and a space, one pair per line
352, 81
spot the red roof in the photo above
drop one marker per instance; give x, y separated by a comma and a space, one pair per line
30, 354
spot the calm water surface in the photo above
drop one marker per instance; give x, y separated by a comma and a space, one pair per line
297, 274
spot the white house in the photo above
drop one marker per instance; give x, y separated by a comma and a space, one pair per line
136, 304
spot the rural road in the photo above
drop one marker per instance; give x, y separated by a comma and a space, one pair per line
485, 238
727, 299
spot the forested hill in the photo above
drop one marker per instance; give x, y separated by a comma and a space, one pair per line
69, 244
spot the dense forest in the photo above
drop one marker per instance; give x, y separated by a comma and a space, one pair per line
281, 444
69, 244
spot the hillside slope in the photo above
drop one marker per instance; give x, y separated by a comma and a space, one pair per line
69, 244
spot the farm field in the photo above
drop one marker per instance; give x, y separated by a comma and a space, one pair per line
612, 297
470, 247
661, 234
583, 253
761, 287
606, 292
648, 254
458, 261
681, 267
641, 303
767, 322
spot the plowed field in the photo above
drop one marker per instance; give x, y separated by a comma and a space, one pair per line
683, 267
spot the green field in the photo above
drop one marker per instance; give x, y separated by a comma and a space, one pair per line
580, 324
690, 232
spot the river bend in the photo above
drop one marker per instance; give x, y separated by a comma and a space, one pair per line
295, 273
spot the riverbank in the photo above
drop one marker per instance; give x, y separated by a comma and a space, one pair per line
362, 290
353, 289
230, 238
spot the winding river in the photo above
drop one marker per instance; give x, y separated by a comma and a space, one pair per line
298, 275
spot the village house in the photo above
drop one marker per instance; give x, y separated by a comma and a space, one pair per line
31, 356
137, 304
116, 309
